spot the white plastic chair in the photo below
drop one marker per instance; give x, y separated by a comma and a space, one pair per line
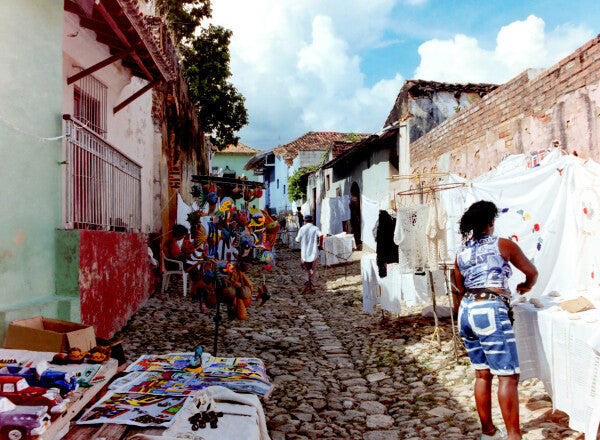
167, 273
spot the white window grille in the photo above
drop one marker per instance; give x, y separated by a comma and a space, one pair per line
102, 188
90, 104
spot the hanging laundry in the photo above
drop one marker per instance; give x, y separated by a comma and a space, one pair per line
411, 238
369, 211
387, 250
344, 207
436, 233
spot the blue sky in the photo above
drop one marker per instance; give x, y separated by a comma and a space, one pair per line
337, 65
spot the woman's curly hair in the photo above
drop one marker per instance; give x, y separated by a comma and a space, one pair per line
476, 219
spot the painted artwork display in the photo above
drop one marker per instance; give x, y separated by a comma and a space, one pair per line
240, 368
171, 383
164, 375
163, 362
163, 383
136, 409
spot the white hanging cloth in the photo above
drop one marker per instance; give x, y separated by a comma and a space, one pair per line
369, 212
410, 236
552, 211
436, 233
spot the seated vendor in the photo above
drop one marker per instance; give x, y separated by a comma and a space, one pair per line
179, 247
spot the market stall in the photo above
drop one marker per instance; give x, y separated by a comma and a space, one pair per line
551, 208
227, 233
563, 350
88, 380
182, 394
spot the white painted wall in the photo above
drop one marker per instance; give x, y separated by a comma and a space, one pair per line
130, 130
279, 195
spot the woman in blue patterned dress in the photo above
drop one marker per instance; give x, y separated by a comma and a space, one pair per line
485, 321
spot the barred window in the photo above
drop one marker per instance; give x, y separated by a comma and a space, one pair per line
102, 185
90, 104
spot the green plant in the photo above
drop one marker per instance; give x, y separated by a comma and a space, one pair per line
457, 109
205, 60
298, 182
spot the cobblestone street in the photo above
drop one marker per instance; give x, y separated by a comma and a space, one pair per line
338, 372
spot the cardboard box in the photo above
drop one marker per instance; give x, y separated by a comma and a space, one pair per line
44, 334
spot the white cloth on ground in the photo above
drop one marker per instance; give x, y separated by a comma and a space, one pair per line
244, 418
369, 212
410, 236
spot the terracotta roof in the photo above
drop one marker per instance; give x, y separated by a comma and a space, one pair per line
415, 88
236, 149
346, 156
121, 25
312, 141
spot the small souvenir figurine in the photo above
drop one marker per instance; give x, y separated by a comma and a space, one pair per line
75, 355
195, 365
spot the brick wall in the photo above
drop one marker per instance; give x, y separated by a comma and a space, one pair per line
523, 115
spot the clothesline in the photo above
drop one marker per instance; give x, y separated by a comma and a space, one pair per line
26, 133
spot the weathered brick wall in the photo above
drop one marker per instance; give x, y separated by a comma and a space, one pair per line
524, 115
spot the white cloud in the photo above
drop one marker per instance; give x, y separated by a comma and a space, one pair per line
519, 45
297, 65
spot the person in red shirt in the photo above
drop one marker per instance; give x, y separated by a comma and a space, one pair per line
179, 247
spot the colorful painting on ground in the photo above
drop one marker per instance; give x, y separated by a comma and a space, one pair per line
163, 362
164, 383
240, 368
137, 409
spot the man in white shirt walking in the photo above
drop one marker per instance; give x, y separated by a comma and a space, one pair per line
311, 240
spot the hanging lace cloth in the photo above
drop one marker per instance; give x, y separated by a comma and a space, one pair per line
436, 233
410, 236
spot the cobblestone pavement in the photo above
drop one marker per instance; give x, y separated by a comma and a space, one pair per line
340, 373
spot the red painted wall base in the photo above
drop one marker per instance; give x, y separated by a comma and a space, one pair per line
114, 278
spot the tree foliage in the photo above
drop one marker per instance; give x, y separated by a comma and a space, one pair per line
298, 182
205, 59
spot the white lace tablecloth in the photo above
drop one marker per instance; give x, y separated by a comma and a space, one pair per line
337, 249
565, 355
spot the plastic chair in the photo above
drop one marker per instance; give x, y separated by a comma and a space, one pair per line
167, 273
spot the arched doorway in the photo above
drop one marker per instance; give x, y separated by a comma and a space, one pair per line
355, 212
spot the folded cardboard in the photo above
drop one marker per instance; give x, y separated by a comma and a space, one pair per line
44, 334
577, 305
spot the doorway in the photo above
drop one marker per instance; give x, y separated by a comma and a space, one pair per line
355, 212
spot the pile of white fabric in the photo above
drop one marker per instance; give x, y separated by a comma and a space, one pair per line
243, 418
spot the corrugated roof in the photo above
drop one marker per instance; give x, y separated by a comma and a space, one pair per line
312, 141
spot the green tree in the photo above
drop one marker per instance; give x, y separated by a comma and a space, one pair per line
205, 59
